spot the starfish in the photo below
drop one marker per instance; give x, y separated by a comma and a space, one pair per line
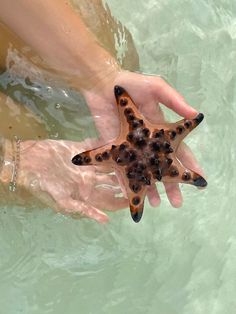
143, 153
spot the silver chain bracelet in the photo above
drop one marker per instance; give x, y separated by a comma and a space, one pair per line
16, 162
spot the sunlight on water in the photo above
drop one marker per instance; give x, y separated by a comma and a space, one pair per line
176, 261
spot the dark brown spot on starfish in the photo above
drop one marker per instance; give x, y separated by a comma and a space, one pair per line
118, 91
169, 150
98, 157
132, 155
123, 102
136, 213
156, 146
77, 160
140, 142
118, 160
180, 129
113, 147
146, 132
141, 166
123, 146
169, 161
186, 176
174, 172
200, 182
130, 117
166, 146
130, 136
187, 124
172, 134
154, 161
87, 159
136, 200
159, 133
199, 118
105, 155
130, 174
158, 174
139, 173
128, 111
145, 179
135, 124
135, 187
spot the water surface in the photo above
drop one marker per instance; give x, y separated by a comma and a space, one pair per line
175, 260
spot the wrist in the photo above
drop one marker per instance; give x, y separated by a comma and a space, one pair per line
90, 72
11, 159
7, 161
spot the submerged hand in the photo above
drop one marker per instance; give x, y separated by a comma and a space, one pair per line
47, 172
147, 92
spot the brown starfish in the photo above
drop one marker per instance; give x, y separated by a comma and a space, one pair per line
143, 153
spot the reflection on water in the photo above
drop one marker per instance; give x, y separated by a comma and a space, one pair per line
175, 260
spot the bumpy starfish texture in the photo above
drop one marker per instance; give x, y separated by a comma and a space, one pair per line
143, 153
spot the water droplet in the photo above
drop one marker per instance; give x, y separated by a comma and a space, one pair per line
58, 106
34, 184
49, 89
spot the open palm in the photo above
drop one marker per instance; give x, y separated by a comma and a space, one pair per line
47, 172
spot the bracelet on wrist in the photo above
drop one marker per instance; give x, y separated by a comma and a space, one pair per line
10, 164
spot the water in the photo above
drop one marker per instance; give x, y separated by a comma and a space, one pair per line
175, 260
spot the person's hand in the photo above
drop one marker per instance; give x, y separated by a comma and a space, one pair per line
46, 170
147, 92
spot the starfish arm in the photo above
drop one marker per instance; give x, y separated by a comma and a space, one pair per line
129, 116
136, 203
177, 173
135, 193
100, 156
179, 130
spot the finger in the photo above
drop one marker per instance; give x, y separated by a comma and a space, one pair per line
169, 97
153, 112
103, 169
108, 179
71, 206
174, 194
153, 196
121, 181
107, 199
185, 155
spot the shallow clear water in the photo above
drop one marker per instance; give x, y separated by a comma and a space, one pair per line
175, 260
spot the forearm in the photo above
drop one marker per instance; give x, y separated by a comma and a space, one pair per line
59, 36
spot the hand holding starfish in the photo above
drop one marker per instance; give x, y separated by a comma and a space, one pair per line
146, 93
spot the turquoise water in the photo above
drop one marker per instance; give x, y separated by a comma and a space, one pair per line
176, 261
